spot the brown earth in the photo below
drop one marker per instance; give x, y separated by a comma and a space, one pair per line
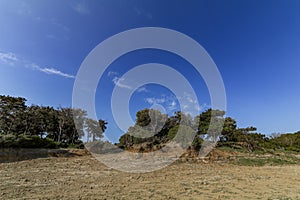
83, 177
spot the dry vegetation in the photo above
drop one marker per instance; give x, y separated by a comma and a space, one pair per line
83, 177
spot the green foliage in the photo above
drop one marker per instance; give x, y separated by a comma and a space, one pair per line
172, 132
11, 110
143, 117
228, 129
197, 142
150, 127
210, 123
206, 125
39, 126
25, 141
288, 142
78, 145
154, 128
183, 135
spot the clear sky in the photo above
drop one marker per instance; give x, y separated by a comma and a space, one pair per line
255, 44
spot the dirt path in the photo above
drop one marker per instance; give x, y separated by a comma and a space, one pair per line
86, 178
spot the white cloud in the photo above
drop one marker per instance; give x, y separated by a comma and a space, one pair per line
185, 106
150, 100
172, 106
12, 59
120, 82
168, 102
8, 58
56, 72
112, 73
190, 104
142, 89
81, 8
50, 70
155, 100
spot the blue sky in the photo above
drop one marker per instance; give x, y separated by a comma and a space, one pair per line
255, 44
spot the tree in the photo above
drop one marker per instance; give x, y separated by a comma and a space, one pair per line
149, 122
210, 124
143, 118
70, 125
40, 121
228, 129
95, 129
182, 134
11, 114
63, 125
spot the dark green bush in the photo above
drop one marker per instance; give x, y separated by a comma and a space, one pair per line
25, 141
293, 148
76, 146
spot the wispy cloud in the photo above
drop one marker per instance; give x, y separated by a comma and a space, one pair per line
142, 89
51, 71
168, 102
153, 100
8, 58
112, 73
81, 8
124, 83
188, 104
12, 59
120, 82
56, 72
172, 105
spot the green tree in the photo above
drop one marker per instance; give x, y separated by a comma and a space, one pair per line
11, 114
149, 122
95, 129
210, 124
229, 128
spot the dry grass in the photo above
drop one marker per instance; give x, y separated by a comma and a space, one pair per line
86, 178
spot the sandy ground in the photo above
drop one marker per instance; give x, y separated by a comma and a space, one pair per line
86, 178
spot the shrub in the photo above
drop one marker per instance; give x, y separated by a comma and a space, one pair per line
25, 141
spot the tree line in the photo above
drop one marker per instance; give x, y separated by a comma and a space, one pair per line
44, 126
47, 127
209, 125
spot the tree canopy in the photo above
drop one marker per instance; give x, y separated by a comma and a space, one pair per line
44, 126
63, 126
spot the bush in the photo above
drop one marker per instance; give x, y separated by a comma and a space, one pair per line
24, 141
8, 141
293, 148
172, 132
76, 146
